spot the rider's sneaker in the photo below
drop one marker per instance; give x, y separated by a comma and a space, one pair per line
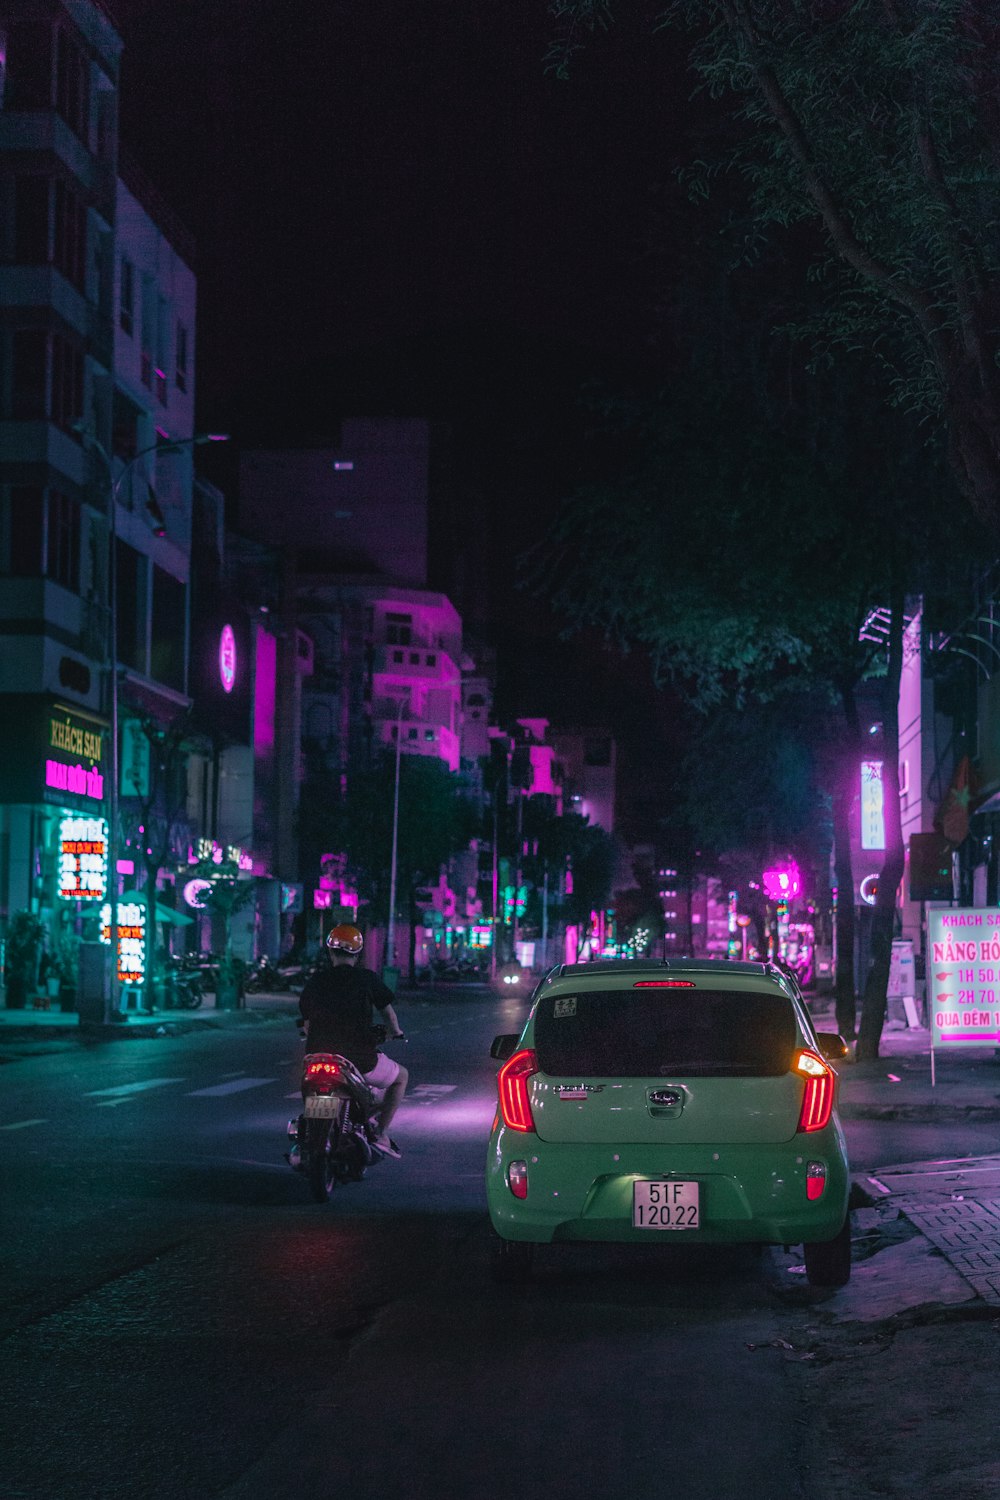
388, 1147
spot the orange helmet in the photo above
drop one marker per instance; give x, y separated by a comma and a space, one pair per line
347, 938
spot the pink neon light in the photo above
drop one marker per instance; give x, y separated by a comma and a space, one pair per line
227, 658
970, 1036
783, 883
74, 779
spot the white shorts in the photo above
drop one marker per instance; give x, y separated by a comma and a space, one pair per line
384, 1073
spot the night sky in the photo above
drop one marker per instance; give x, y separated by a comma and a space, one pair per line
398, 209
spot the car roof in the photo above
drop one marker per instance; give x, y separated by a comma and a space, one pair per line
706, 968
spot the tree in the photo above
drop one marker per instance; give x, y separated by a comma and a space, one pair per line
225, 893
870, 128
152, 814
436, 819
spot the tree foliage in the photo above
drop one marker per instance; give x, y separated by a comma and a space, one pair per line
876, 123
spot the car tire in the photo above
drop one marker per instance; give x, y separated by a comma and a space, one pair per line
828, 1264
511, 1260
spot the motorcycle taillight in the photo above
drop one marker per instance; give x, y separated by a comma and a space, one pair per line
327, 1070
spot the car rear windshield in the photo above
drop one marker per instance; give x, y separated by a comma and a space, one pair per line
653, 1033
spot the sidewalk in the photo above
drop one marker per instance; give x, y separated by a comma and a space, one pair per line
30, 1032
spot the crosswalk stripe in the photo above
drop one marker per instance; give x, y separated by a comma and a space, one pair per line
235, 1086
23, 1124
123, 1090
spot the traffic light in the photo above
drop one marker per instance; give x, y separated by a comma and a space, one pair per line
930, 867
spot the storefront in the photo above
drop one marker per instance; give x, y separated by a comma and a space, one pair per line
54, 765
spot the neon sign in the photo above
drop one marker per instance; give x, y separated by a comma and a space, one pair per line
783, 883
227, 658
131, 939
83, 859
872, 805
74, 779
194, 892
868, 890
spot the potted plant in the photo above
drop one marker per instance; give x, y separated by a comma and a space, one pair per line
23, 948
67, 965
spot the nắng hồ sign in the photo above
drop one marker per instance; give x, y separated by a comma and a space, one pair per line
963, 976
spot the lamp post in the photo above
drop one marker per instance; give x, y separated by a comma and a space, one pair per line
168, 445
390, 937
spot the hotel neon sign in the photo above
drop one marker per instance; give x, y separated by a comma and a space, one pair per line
83, 859
131, 939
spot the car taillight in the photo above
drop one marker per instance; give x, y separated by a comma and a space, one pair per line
512, 1086
517, 1178
817, 1099
664, 984
815, 1180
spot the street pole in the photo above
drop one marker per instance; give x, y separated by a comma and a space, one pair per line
390, 937
170, 445
496, 879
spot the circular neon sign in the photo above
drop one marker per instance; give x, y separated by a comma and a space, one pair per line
869, 889
227, 658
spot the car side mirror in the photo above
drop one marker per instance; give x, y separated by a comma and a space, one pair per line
832, 1045
503, 1047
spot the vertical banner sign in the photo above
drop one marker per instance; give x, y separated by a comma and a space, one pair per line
963, 976
872, 806
131, 939
134, 775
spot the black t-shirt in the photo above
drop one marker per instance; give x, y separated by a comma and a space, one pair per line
339, 1006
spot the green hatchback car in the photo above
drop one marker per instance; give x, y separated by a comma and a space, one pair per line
690, 1100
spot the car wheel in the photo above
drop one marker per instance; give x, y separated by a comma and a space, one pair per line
511, 1260
829, 1263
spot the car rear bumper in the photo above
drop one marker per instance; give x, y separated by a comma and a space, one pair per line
748, 1194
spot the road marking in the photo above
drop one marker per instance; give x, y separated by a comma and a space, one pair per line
123, 1090
23, 1124
235, 1086
238, 1074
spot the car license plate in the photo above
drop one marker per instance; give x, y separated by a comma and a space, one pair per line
321, 1107
665, 1205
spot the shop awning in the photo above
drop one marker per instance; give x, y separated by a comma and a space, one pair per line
170, 915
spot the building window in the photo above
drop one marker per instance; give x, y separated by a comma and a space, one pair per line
25, 511
398, 629
66, 406
31, 221
147, 333
28, 399
29, 65
181, 358
73, 86
429, 734
126, 298
432, 659
414, 658
62, 562
167, 639
397, 656
70, 235
411, 734
130, 609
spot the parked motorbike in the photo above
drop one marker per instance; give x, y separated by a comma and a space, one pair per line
333, 1140
179, 987
267, 978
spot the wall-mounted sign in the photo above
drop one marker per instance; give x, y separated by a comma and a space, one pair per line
73, 761
194, 892
872, 805
83, 859
208, 849
131, 939
227, 658
783, 883
52, 753
963, 976
868, 890
291, 897
134, 772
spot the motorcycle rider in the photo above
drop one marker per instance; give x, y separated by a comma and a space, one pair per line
338, 1004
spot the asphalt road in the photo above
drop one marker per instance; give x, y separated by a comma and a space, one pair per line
179, 1320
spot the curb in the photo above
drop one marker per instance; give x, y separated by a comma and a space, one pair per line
927, 1114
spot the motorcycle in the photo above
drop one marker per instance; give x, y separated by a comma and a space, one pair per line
333, 1140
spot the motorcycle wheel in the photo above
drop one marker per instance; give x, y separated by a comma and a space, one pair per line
321, 1170
191, 999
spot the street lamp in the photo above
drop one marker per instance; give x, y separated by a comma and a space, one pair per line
390, 937
166, 445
